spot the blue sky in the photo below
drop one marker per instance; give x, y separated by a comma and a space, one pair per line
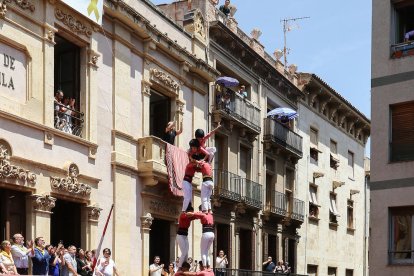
335, 43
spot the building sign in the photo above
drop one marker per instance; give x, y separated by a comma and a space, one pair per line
13, 75
92, 9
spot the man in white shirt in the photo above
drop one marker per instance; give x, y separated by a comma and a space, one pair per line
21, 254
70, 267
156, 269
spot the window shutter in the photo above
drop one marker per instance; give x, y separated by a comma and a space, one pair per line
402, 138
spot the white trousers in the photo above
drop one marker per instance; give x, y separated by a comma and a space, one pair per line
183, 245
211, 151
206, 191
206, 241
188, 194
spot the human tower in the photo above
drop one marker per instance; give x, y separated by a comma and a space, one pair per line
200, 158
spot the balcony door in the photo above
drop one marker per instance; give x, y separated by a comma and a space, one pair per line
66, 223
160, 113
67, 69
222, 241
12, 213
160, 241
246, 253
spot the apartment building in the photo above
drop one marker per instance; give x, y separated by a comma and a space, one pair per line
332, 178
392, 154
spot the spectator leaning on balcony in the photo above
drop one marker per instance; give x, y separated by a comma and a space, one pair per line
409, 35
21, 254
242, 92
40, 257
170, 132
225, 8
269, 265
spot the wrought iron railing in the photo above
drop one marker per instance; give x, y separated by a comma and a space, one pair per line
251, 193
237, 188
277, 203
245, 272
298, 212
241, 109
278, 133
227, 185
68, 120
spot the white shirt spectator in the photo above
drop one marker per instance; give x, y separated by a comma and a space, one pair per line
221, 262
158, 271
20, 256
106, 267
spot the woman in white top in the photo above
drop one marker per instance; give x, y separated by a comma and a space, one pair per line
7, 258
106, 266
221, 263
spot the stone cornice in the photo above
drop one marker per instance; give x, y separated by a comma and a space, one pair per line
74, 24
119, 9
341, 113
23, 4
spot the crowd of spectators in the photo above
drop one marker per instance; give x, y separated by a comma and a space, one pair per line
16, 257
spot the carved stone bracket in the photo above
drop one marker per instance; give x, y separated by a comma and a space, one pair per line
70, 183
194, 23
94, 212
43, 203
146, 221
23, 4
240, 208
180, 106
165, 80
9, 171
49, 138
92, 152
146, 88
73, 23
93, 58
3, 9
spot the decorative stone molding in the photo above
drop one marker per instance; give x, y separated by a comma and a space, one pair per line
146, 88
49, 138
240, 208
3, 9
146, 221
164, 79
43, 203
8, 171
232, 217
93, 58
23, 4
194, 23
73, 23
92, 152
256, 33
151, 160
164, 208
70, 183
94, 212
318, 174
180, 106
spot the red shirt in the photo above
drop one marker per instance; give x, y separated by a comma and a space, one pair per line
184, 221
205, 218
205, 138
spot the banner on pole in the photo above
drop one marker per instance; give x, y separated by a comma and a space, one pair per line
92, 9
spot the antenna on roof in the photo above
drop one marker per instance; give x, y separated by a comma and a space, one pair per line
287, 28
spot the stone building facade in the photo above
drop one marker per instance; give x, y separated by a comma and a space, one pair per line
332, 178
129, 77
146, 66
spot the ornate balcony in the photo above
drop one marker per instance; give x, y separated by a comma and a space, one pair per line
234, 188
276, 204
282, 138
68, 120
227, 185
151, 160
239, 112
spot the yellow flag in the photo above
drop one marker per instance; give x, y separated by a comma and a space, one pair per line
93, 8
